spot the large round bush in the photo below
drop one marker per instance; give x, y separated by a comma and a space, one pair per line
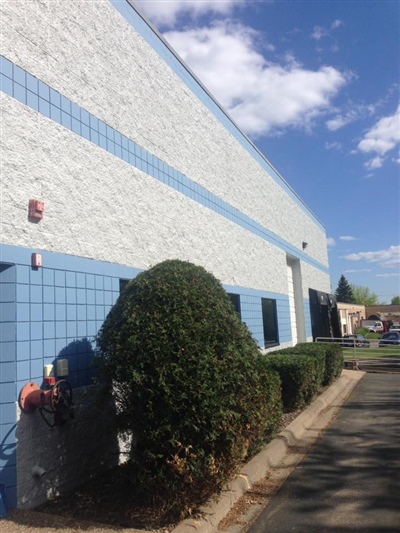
184, 373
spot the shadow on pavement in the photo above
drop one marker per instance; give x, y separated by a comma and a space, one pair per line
350, 479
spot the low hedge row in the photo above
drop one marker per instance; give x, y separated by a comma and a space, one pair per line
303, 370
332, 354
272, 409
300, 378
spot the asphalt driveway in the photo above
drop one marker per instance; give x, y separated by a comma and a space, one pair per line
350, 480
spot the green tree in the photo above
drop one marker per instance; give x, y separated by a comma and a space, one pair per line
363, 296
395, 300
344, 291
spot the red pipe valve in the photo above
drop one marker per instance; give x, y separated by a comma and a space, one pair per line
56, 400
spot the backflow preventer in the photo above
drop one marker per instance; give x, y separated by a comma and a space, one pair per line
54, 400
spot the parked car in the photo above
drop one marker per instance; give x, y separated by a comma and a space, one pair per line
357, 340
390, 338
374, 326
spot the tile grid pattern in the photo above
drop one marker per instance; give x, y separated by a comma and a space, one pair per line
55, 308
47, 314
55, 312
27, 89
8, 389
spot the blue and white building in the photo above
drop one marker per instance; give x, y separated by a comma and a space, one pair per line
134, 162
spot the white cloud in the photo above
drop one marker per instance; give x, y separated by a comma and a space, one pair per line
336, 24
352, 114
338, 122
261, 96
320, 32
375, 162
392, 275
347, 238
167, 12
330, 241
383, 137
389, 258
354, 111
333, 145
353, 271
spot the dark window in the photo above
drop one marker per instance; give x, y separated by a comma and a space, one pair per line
270, 322
235, 299
122, 284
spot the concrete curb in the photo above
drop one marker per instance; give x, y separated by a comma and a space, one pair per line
270, 456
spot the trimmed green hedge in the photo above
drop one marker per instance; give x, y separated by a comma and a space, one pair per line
184, 372
331, 352
272, 406
304, 369
301, 377
369, 334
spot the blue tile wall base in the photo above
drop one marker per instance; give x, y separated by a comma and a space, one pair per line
56, 313
307, 317
54, 300
8, 393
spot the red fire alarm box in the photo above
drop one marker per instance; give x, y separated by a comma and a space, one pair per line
37, 260
36, 209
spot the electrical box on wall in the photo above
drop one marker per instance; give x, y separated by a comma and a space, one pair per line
36, 209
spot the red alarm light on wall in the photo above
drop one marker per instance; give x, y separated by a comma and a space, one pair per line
37, 260
36, 209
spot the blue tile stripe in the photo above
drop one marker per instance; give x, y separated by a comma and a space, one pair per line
68, 281
136, 19
69, 298
32, 92
307, 316
251, 312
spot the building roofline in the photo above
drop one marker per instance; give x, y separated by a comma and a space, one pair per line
221, 108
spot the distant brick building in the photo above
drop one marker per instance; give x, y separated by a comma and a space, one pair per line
385, 312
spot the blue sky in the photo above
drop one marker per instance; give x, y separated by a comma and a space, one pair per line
315, 85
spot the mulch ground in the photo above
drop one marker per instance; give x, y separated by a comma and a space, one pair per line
110, 499
106, 503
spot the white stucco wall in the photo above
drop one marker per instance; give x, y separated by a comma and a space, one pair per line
98, 206
91, 54
312, 277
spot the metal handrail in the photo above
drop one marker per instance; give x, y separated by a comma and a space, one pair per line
353, 352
